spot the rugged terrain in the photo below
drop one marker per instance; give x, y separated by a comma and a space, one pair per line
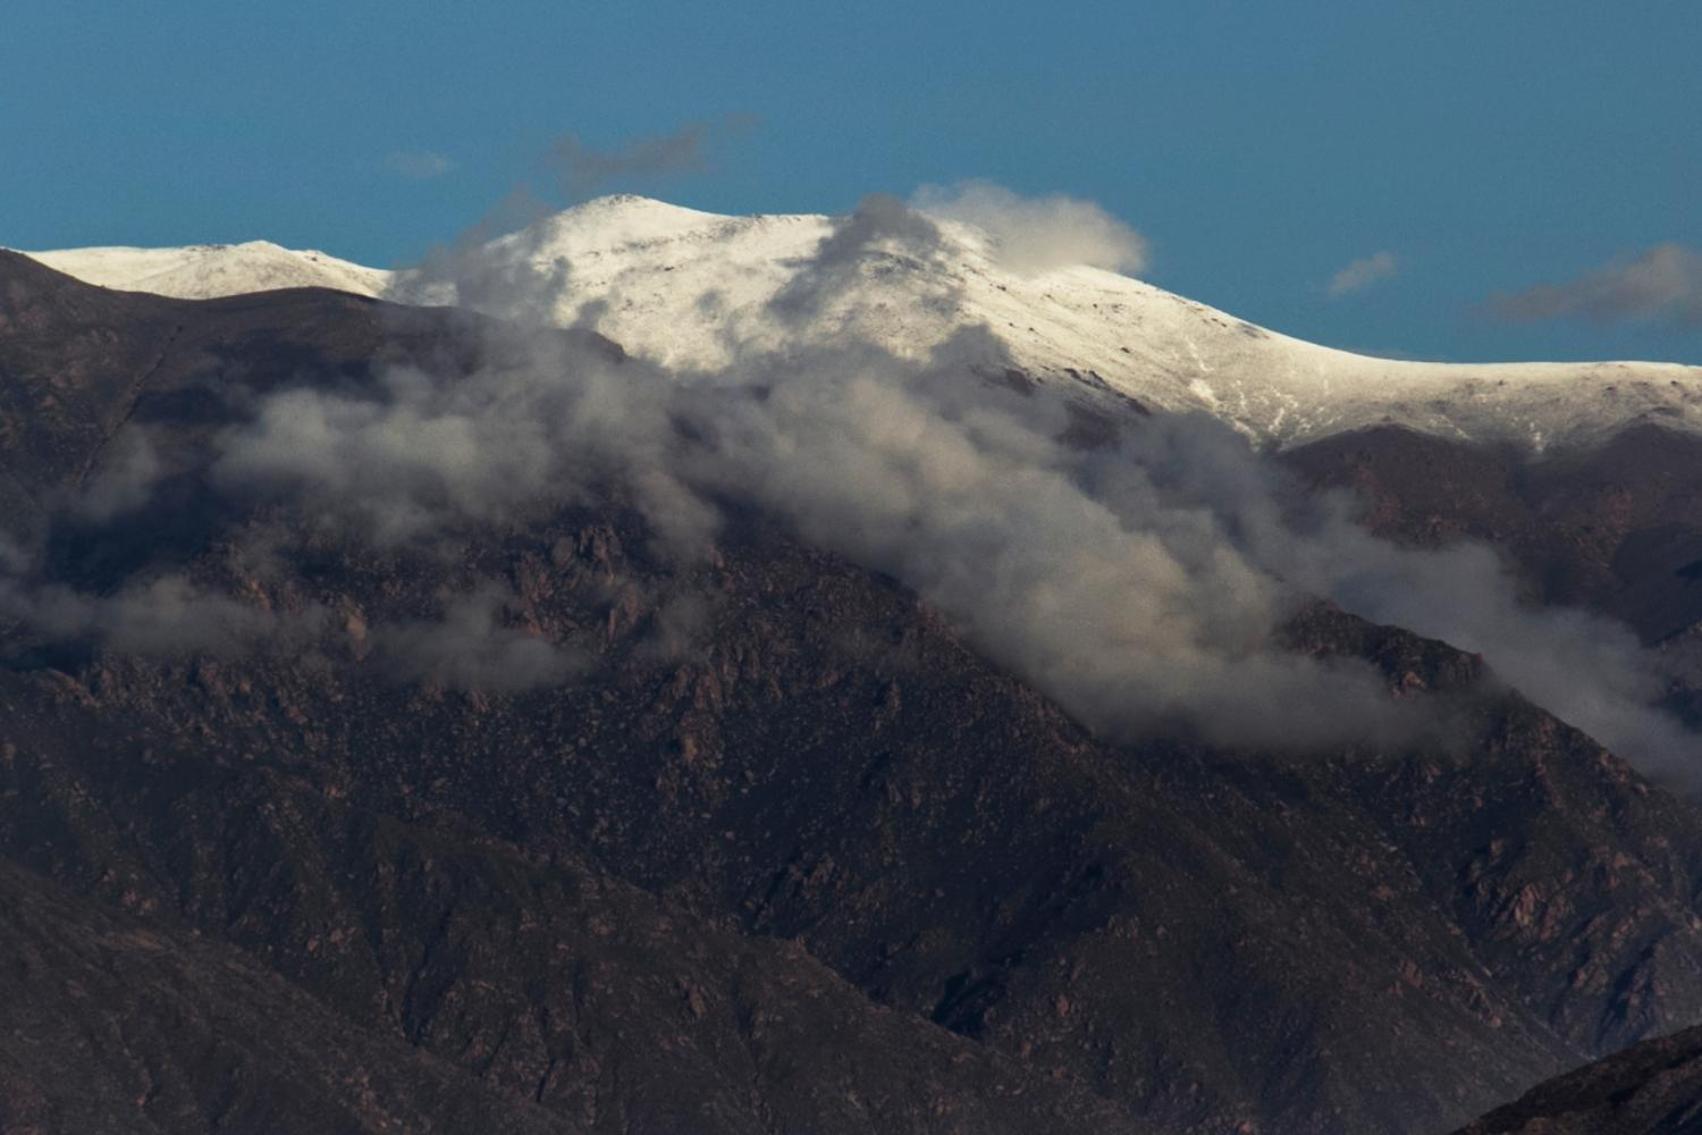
778, 851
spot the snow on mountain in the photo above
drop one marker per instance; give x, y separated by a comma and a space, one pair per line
694, 289
203, 271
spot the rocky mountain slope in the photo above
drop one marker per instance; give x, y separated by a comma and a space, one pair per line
772, 848
124, 1024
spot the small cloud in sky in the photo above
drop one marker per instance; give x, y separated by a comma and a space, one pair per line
1664, 283
1362, 273
585, 169
418, 165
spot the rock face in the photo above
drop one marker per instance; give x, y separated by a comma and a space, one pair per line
1654, 1088
782, 854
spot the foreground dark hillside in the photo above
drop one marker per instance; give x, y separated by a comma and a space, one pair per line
773, 850
1654, 1088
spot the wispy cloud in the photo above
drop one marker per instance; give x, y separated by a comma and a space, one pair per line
586, 170
1034, 234
1362, 273
1664, 283
474, 647
418, 165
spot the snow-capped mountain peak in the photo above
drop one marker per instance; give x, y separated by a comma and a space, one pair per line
204, 271
695, 289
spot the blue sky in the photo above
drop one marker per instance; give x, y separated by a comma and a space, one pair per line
1261, 148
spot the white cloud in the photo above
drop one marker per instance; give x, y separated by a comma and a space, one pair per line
1035, 234
1362, 273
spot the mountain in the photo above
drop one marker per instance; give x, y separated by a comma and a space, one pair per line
1585, 477
1654, 1088
203, 271
697, 290
753, 840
